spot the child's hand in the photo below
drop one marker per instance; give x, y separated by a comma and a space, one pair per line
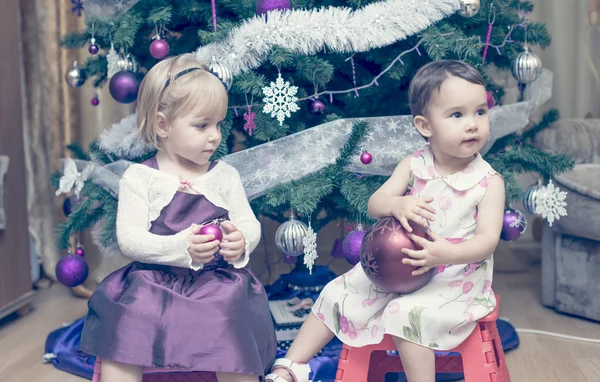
202, 248
434, 253
234, 244
407, 208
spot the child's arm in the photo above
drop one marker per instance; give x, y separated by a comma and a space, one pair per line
490, 213
135, 241
243, 219
389, 199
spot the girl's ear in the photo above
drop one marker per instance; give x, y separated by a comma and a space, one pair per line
162, 127
423, 126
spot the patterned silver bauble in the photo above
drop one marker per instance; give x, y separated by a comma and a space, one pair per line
222, 72
128, 63
75, 76
289, 237
529, 200
526, 67
469, 8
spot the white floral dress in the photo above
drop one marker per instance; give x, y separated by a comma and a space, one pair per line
443, 313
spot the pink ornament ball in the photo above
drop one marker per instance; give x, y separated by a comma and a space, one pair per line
490, 100
159, 49
95, 101
212, 229
79, 251
366, 157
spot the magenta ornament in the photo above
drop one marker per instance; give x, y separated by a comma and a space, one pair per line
71, 270
212, 229
159, 49
316, 107
366, 157
381, 257
490, 100
79, 251
95, 101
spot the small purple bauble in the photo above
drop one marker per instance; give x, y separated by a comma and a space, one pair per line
366, 157
381, 257
159, 49
264, 6
79, 251
490, 100
514, 225
71, 270
93, 49
212, 229
124, 86
95, 101
351, 246
316, 107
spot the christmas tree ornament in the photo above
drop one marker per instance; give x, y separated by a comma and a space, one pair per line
352, 243
71, 270
366, 157
310, 248
381, 257
316, 107
280, 99
77, 7
222, 72
112, 61
526, 67
95, 101
265, 6
490, 100
514, 225
550, 203
469, 8
250, 124
159, 48
93, 48
289, 237
69, 204
212, 229
79, 250
529, 200
75, 76
124, 86
128, 63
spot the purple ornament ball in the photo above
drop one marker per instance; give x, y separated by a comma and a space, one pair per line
95, 101
159, 49
124, 86
264, 6
366, 157
212, 229
351, 246
79, 251
71, 270
381, 257
93, 49
316, 107
514, 225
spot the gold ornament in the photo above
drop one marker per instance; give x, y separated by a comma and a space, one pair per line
469, 8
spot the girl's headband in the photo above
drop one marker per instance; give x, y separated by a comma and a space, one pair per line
189, 70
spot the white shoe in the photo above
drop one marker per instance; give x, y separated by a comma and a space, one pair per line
298, 371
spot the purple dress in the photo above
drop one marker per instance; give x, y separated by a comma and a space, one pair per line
216, 319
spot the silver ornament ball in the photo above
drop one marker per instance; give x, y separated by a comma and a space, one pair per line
75, 77
469, 8
529, 200
526, 67
289, 236
128, 63
222, 72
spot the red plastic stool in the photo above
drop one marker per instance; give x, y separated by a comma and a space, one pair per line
164, 375
482, 357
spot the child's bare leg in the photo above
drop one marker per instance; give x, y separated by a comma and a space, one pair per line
418, 361
120, 372
234, 377
311, 338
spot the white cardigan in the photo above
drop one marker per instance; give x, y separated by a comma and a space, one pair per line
145, 191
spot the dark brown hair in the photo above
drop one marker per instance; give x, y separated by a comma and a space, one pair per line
430, 77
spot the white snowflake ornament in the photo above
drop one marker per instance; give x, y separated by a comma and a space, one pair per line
550, 203
310, 248
280, 99
112, 58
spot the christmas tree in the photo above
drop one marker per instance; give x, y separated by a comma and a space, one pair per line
309, 65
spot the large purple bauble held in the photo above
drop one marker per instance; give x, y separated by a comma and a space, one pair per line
264, 6
381, 257
351, 246
212, 229
514, 225
71, 270
124, 86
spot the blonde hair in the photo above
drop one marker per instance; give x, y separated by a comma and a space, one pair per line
196, 89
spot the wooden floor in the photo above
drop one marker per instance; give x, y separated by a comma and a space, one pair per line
517, 281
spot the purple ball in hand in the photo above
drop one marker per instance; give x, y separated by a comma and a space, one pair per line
212, 229
381, 257
71, 270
